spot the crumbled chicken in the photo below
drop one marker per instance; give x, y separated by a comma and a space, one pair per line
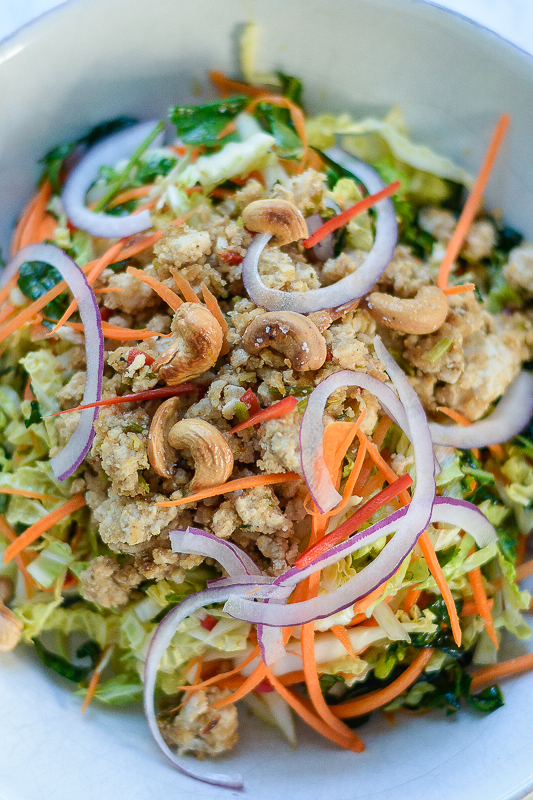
518, 272
124, 522
180, 246
132, 296
199, 728
107, 583
121, 442
405, 274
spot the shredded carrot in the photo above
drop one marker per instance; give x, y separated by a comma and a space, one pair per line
223, 675
274, 411
470, 607
502, 670
32, 533
30, 234
315, 693
297, 118
232, 486
472, 204
411, 598
6, 311
226, 86
95, 677
369, 702
382, 465
437, 573
184, 286
212, 305
345, 216
303, 711
382, 428
166, 294
342, 635
245, 688
354, 522
108, 290
524, 570
476, 582
137, 397
118, 333
11, 536
521, 549
21, 224
460, 289
131, 194
27, 493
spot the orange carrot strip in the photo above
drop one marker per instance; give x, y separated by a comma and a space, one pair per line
6, 311
47, 228
232, 486
382, 428
315, 693
354, 522
108, 290
11, 536
118, 333
502, 670
382, 465
470, 608
184, 286
212, 305
227, 86
524, 570
223, 675
411, 598
131, 194
480, 596
521, 549
95, 677
301, 708
460, 289
345, 216
369, 702
30, 232
27, 493
342, 635
497, 451
248, 686
472, 204
166, 294
437, 573
274, 411
32, 533
21, 224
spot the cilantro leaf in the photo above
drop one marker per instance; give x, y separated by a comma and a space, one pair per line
202, 124
63, 667
35, 279
35, 415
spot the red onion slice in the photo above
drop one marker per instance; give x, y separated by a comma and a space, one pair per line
445, 509
68, 460
230, 557
160, 641
106, 153
316, 474
409, 527
511, 415
352, 286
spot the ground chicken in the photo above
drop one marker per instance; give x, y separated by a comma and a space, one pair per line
179, 246
405, 274
480, 241
518, 271
279, 271
107, 583
72, 393
344, 264
279, 440
348, 340
305, 191
439, 222
199, 728
134, 295
121, 442
123, 522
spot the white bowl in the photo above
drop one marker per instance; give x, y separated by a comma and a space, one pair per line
94, 59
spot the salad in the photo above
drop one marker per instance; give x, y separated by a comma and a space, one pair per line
265, 410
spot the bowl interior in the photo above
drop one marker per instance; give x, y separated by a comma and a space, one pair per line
94, 59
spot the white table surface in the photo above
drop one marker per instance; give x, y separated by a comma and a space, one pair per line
512, 19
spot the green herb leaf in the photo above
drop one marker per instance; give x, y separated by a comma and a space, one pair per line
291, 87
488, 700
63, 667
36, 278
197, 125
277, 122
35, 415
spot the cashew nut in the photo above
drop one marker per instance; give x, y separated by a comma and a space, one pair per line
211, 453
160, 454
293, 334
10, 629
278, 217
326, 316
424, 313
196, 347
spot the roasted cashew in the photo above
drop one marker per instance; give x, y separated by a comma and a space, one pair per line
160, 454
196, 347
10, 629
424, 313
293, 334
278, 217
326, 316
211, 453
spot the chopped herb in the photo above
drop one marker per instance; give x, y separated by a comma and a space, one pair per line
438, 350
241, 411
133, 427
200, 125
481, 475
63, 667
277, 122
327, 682
35, 279
35, 415
291, 88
